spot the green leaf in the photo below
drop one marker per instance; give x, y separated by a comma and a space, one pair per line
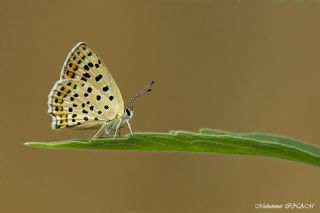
207, 140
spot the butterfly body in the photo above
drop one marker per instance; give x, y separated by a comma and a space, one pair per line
120, 122
86, 96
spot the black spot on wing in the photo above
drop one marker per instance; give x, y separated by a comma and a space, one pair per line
98, 77
105, 88
87, 75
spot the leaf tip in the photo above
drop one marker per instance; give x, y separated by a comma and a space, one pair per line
33, 144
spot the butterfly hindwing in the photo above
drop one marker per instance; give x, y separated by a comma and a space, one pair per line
86, 96
71, 105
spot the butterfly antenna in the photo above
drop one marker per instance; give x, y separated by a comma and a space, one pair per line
140, 94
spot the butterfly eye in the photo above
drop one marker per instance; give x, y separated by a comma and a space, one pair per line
128, 112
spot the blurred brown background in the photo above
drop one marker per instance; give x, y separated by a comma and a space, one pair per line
235, 65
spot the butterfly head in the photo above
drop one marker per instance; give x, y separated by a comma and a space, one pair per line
128, 113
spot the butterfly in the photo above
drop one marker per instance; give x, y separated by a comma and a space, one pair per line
87, 97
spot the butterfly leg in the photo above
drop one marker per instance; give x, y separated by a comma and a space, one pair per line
117, 128
100, 132
129, 127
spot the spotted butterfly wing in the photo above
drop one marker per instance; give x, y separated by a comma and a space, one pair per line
86, 96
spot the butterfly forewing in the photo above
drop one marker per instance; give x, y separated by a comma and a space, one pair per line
86, 96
